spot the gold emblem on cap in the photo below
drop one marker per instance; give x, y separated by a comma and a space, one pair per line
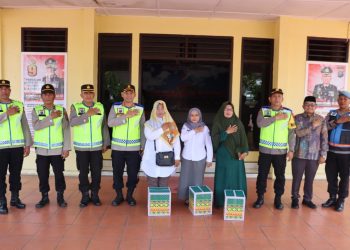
3, 81
47, 86
88, 87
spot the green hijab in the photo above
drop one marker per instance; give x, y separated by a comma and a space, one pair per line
236, 142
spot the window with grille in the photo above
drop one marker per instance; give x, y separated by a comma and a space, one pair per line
186, 47
256, 82
185, 72
44, 39
327, 49
114, 63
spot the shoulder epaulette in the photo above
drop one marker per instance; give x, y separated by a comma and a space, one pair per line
287, 109
117, 103
266, 107
138, 105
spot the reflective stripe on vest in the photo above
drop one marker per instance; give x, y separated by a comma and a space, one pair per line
11, 132
88, 135
127, 134
276, 134
50, 137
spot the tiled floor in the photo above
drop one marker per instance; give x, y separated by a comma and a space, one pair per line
126, 227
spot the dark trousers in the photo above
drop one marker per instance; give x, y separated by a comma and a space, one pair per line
299, 167
89, 161
43, 169
338, 165
279, 166
158, 181
11, 158
132, 160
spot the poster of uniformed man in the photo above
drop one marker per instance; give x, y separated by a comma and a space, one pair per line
324, 80
39, 68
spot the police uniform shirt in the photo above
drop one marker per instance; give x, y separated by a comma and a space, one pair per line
117, 120
326, 93
47, 122
76, 120
28, 141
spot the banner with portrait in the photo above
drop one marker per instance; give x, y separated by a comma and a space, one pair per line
39, 68
324, 80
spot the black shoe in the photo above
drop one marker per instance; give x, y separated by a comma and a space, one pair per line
278, 203
187, 203
118, 199
309, 204
3, 206
60, 200
15, 201
44, 200
295, 203
131, 201
259, 202
330, 202
85, 199
95, 199
339, 206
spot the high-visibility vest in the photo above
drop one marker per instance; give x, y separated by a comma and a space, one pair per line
50, 137
127, 134
88, 135
275, 136
11, 132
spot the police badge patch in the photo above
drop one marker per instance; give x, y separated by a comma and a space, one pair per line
120, 111
81, 111
267, 113
42, 113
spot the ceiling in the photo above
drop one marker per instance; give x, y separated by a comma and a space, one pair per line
237, 9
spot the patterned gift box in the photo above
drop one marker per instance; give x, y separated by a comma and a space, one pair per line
234, 205
159, 201
200, 200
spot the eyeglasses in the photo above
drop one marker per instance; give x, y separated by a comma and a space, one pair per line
310, 105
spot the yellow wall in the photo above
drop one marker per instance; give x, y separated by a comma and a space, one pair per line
81, 51
83, 25
290, 59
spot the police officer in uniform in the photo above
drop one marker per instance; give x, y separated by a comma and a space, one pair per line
277, 141
127, 120
52, 144
326, 91
90, 140
338, 156
15, 142
52, 78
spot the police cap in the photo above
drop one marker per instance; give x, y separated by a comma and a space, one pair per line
276, 91
47, 88
87, 88
51, 63
344, 93
326, 70
129, 87
4, 83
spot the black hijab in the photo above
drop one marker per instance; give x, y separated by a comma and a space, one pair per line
236, 142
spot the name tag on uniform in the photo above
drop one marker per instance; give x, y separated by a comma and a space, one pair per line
81, 111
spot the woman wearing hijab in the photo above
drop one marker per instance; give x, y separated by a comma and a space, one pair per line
197, 153
231, 147
162, 136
